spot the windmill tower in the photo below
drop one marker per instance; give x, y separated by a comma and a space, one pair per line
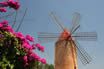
66, 47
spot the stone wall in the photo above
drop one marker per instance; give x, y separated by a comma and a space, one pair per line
64, 56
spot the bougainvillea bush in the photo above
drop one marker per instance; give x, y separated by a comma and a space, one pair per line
16, 50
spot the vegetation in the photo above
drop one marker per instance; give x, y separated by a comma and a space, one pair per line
16, 50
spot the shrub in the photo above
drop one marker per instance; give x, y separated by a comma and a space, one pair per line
16, 50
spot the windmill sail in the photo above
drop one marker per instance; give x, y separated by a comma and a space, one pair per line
49, 37
85, 36
83, 55
56, 20
44, 37
75, 22
21, 21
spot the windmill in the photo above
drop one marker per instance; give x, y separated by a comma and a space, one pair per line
67, 47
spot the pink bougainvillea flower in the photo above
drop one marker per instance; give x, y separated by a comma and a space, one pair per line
26, 64
22, 38
33, 55
7, 28
25, 41
43, 61
30, 58
25, 45
3, 10
1, 25
33, 46
4, 25
40, 47
4, 22
28, 37
25, 59
11, 31
37, 44
13, 4
19, 35
38, 58
3, 4
30, 47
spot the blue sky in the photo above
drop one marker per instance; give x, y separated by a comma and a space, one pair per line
92, 19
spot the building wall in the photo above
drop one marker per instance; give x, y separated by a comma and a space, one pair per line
64, 56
